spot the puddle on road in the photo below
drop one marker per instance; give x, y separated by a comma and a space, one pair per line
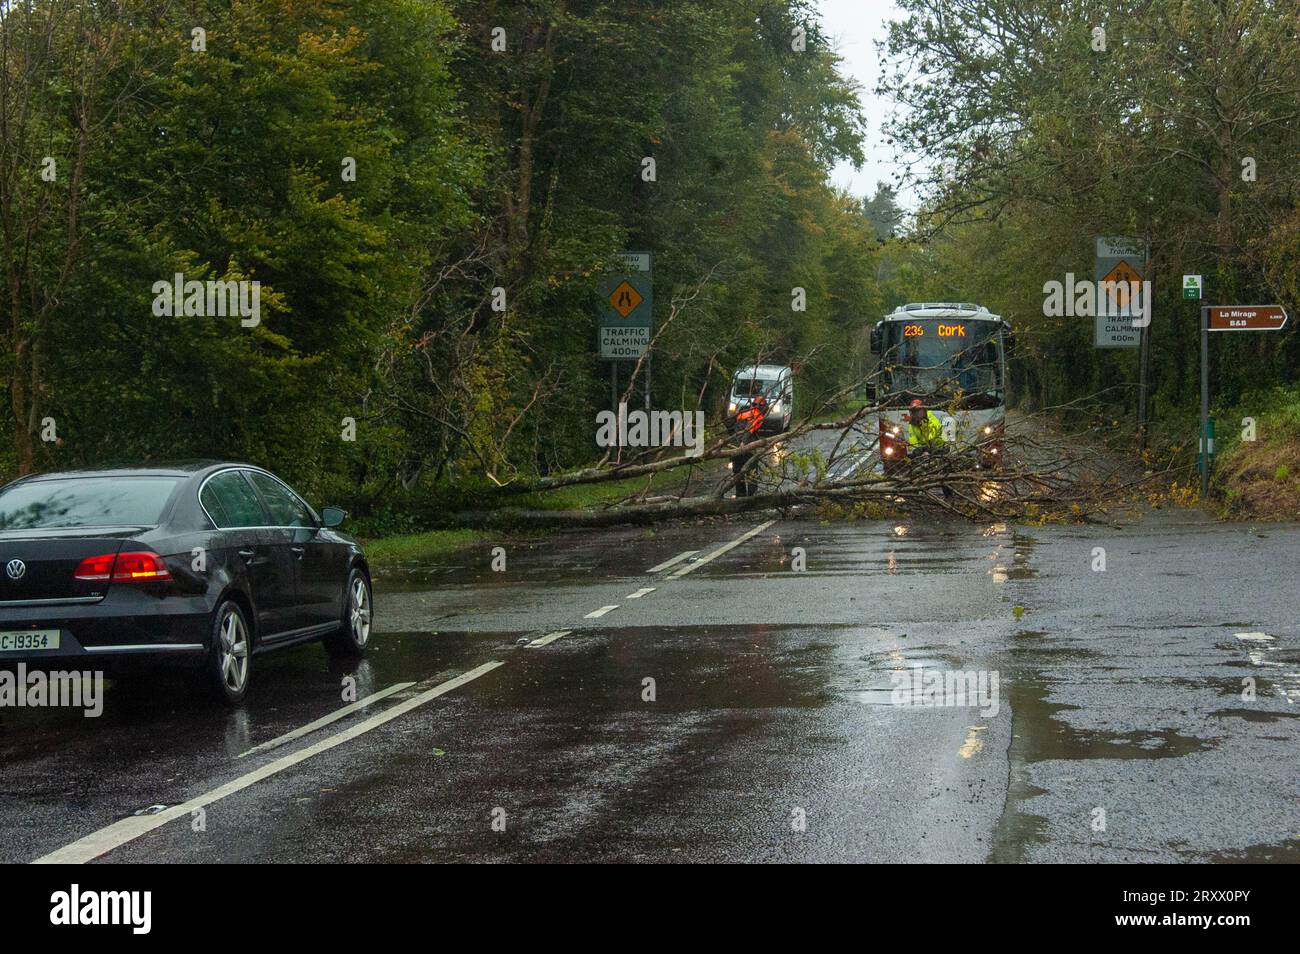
1288, 852
885, 665
1038, 735
1053, 739
1254, 715
1022, 550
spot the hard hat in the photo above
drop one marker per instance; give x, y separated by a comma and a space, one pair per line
917, 402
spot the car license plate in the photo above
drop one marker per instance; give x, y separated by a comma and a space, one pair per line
26, 640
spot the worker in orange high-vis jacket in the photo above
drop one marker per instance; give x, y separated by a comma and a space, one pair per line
748, 423
753, 416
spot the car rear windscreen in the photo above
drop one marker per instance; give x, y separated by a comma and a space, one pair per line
85, 502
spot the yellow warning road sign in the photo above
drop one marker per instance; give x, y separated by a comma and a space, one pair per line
1123, 275
624, 299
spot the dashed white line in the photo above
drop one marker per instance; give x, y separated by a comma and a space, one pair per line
726, 547
323, 721
128, 829
547, 639
673, 562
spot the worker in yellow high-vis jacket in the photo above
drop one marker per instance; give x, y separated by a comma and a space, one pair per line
924, 429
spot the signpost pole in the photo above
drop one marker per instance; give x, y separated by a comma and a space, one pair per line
1144, 350
1205, 401
613, 385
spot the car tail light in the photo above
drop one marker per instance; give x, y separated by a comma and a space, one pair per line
135, 567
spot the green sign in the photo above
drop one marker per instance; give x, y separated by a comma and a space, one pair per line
1192, 287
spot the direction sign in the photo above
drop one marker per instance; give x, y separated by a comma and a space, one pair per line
1120, 260
1247, 318
1227, 318
626, 307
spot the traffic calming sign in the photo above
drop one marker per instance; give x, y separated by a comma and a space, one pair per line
1119, 259
1247, 318
626, 307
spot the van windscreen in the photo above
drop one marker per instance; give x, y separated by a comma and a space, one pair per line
749, 386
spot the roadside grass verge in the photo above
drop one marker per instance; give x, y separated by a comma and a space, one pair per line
584, 496
388, 550
384, 552
1260, 478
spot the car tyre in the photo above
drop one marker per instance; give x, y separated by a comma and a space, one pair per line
228, 665
353, 633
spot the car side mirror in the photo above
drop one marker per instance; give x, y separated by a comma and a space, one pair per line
332, 516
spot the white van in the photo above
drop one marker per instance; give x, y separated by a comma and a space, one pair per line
776, 383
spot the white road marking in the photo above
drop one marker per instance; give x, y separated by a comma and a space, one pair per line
726, 547
596, 614
547, 639
673, 562
644, 591
1255, 637
128, 829
334, 716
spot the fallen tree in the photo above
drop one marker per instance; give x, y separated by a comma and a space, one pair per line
1056, 477
1045, 474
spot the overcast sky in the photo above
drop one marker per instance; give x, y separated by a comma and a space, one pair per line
854, 27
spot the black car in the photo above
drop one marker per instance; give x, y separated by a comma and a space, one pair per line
206, 564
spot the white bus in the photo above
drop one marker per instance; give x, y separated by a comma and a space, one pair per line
953, 358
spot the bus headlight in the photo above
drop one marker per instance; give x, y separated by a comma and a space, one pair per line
731, 408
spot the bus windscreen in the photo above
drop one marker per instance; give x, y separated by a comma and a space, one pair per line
941, 359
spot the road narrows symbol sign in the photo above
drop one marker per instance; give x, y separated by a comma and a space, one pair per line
1123, 275
624, 299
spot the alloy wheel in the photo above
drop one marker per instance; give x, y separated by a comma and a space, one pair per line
360, 612
233, 651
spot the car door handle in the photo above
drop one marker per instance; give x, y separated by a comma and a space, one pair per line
248, 553
298, 551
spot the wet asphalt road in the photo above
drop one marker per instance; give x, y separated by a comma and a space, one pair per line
772, 734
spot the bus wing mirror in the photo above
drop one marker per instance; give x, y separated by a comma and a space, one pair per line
875, 339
